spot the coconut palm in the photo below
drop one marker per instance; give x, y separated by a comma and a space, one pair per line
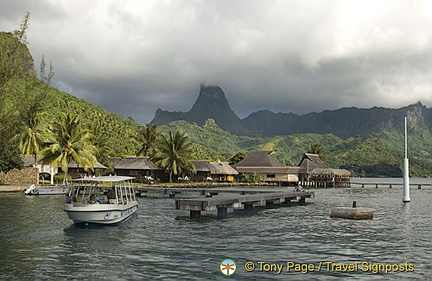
319, 150
70, 142
173, 153
101, 141
33, 137
149, 136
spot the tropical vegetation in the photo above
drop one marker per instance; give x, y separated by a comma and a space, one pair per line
69, 142
173, 154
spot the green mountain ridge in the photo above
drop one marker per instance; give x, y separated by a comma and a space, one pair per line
345, 122
372, 155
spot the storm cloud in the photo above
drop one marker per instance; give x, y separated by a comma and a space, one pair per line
132, 57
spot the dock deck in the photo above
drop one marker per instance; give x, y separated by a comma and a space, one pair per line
208, 192
222, 203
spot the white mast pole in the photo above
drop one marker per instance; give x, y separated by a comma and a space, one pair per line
406, 188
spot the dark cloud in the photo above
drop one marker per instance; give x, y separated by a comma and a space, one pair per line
133, 57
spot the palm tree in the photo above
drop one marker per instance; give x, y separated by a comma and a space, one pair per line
101, 141
32, 139
319, 150
149, 136
173, 153
70, 142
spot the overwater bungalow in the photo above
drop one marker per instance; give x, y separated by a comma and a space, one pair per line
314, 173
330, 177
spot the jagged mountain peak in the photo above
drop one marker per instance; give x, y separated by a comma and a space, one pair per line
212, 101
210, 104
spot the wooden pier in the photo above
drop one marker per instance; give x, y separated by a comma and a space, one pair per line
248, 201
205, 191
389, 185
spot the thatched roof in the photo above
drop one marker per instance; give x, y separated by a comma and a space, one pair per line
202, 165
330, 172
74, 165
258, 159
214, 168
309, 162
29, 161
134, 163
222, 168
269, 170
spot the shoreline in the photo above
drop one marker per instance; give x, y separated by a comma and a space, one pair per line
21, 188
12, 188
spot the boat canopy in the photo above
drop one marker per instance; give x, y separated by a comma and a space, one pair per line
105, 179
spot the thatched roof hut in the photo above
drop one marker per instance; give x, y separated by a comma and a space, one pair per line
74, 165
268, 168
140, 167
330, 172
133, 163
258, 159
216, 170
309, 162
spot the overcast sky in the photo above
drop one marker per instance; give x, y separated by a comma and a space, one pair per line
134, 56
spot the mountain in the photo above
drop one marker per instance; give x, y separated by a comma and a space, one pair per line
210, 104
344, 122
364, 141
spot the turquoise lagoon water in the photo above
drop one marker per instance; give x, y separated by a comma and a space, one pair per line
39, 242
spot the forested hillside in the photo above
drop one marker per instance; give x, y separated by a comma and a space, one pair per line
363, 156
23, 97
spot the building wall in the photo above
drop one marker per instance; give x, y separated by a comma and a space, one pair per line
27, 176
280, 178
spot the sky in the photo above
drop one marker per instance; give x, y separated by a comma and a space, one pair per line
135, 56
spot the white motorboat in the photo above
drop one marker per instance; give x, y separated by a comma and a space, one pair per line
101, 200
46, 190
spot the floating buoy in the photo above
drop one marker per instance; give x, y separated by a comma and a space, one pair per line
353, 212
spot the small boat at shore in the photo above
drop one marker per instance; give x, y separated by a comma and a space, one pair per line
47, 190
101, 200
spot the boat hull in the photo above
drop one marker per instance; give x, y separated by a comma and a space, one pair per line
104, 214
47, 190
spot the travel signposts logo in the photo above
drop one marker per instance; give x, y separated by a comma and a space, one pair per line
228, 267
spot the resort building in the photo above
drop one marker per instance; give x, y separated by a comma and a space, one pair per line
310, 172
140, 167
47, 172
313, 172
268, 168
77, 171
213, 171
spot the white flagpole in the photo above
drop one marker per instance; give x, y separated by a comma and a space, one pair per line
406, 188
